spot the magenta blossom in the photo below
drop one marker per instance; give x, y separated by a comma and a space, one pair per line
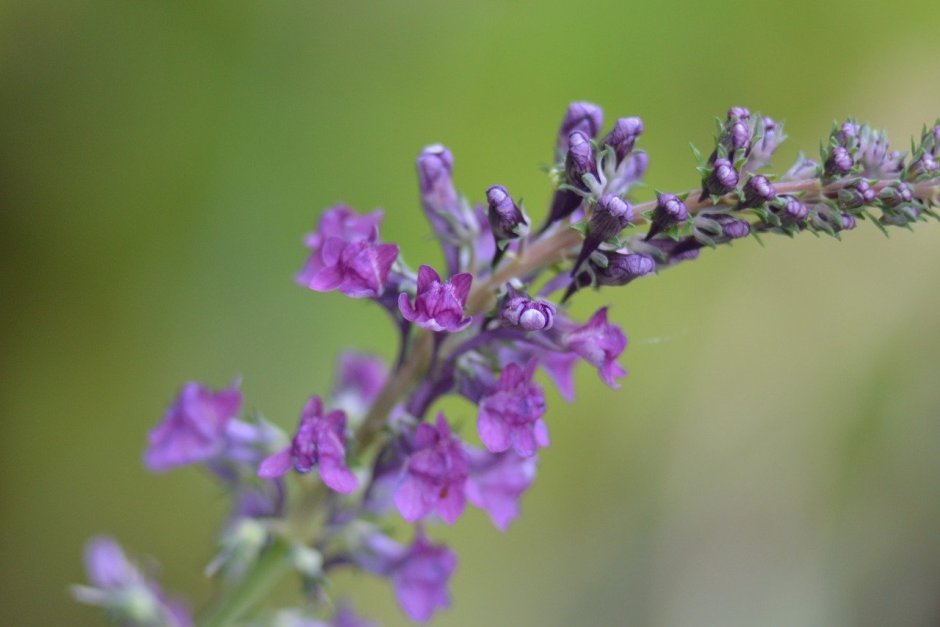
419, 573
510, 415
497, 481
599, 343
345, 255
434, 475
438, 306
320, 441
193, 428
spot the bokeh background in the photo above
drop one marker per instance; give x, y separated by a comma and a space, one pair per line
772, 457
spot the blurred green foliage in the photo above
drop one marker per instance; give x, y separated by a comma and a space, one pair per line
770, 460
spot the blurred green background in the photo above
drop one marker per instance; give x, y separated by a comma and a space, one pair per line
770, 460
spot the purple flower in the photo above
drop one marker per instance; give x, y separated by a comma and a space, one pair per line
856, 195
623, 136
419, 573
434, 475
193, 428
622, 268
529, 314
610, 216
839, 163
669, 210
580, 158
790, 208
497, 481
722, 179
599, 343
757, 191
120, 588
510, 416
732, 228
505, 217
438, 306
359, 380
453, 222
585, 117
320, 441
345, 255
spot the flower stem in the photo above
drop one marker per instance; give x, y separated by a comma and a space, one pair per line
252, 588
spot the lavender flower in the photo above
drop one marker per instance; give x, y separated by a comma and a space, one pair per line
434, 475
623, 136
511, 414
438, 306
529, 314
599, 343
722, 178
610, 216
193, 428
320, 441
497, 481
120, 588
419, 573
506, 219
345, 255
757, 191
621, 268
839, 163
856, 195
584, 117
669, 210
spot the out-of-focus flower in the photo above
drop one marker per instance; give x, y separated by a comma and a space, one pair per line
510, 416
599, 343
497, 481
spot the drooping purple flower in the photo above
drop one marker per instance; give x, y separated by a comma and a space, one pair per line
599, 343
623, 136
530, 314
584, 117
358, 382
510, 416
419, 573
438, 306
119, 587
345, 255
320, 441
193, 428
434, 475
497, 481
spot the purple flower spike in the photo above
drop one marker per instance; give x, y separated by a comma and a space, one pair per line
320, 441
510, 415
585, 117
623, 136
497, 481
529, 314
360, 378
434, 475
193, 428
345, 255
438, 306
599, 343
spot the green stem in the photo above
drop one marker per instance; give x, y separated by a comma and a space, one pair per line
253, 587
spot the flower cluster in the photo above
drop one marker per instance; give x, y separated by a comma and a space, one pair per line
486, 325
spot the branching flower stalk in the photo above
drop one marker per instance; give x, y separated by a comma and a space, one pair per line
481, 329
